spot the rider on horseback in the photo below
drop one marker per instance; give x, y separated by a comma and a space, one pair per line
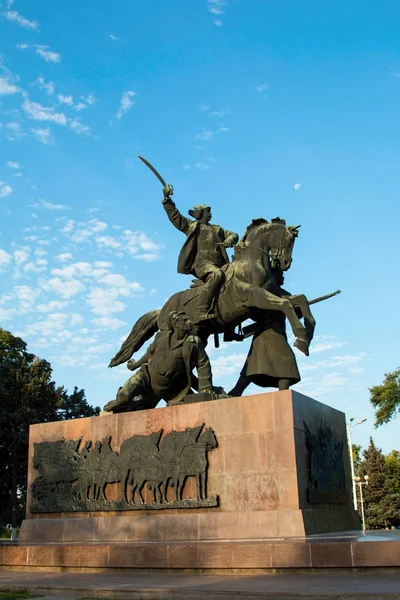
203, 254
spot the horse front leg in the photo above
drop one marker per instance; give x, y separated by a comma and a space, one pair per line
301, 302
259, 298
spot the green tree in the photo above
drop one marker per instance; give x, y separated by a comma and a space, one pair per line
392, 499
381, 500
385, 398
27, 396
357, 460
75, 405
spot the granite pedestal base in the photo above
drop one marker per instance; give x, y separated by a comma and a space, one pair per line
266, 473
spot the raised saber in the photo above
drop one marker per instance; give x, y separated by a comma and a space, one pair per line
156, 173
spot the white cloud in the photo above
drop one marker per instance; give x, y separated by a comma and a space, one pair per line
140, 246
223, 129
201, 165
79, 269
262, 87
7, 88
108, 323
65, 99
5, 258
50, 206
80, 106
42, 51
48, 87
107, 241
12, 165
104, 301
5, 190
325, 346
48, 55
228, 365
13, 131
204, 135
126, 104
218, 22
62, 287
63, 257
78, 127
84, 231
297, 186
221, 113
15, 17
112, 36
90, 99
43, 135
37, 112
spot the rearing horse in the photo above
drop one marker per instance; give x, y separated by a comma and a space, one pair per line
248, 288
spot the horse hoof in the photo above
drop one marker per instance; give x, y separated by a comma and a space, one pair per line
302, 345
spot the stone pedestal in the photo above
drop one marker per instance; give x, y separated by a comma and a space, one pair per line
281, 470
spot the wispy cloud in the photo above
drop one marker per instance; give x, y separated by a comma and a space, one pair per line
12, 165
38, 112
13, 131
15, 17
216, 8
5, 190
297, 186
50, 206
78, 127
5, 258
204, 135
262, 87
43, 135
49, 87
7, 87
112, 37
65, 99
126, 103
43, 51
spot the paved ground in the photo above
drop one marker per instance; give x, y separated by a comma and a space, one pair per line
152, 586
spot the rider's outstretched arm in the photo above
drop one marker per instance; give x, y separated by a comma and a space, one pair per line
176, 218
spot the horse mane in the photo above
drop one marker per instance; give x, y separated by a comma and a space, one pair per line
253, 224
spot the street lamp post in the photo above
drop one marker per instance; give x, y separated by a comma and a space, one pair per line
360, 483
350, 427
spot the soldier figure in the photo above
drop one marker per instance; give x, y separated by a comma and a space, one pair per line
166, 369
203, 254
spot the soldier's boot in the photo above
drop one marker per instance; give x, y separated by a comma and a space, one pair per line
207, 295
242, 383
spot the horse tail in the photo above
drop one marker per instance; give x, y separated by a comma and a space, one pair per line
143, 330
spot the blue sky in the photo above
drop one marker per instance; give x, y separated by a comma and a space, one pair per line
259, 108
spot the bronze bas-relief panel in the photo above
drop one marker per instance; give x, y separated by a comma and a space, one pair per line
327, 478
73, 476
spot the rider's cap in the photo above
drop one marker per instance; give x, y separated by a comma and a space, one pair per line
197, 210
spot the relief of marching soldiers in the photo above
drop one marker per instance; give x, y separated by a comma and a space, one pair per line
73, 479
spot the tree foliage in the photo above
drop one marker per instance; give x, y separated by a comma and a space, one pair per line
28, 395
385, 398
382, 494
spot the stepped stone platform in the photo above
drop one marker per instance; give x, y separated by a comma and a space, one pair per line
278, 482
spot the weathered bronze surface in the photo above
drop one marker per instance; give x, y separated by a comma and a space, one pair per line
72, 478
223, 295
326, 466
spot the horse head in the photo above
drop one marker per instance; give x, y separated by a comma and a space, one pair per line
276, 238
208, 439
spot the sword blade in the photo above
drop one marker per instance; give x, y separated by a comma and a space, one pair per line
156, 173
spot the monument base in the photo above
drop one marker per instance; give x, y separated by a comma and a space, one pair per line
279, 473
350, 551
